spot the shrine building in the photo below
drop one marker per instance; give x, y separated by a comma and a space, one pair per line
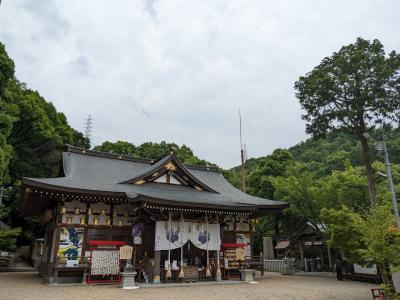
185, 223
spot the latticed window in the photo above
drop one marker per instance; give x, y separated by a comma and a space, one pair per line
122, 234
98, 234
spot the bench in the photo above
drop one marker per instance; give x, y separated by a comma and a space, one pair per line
378, 294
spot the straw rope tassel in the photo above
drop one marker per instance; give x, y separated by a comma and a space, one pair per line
181, 273
169, 273
208, 273
219, 248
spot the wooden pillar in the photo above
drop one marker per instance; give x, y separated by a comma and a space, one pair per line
330, 259
301, 255
262, 263
322, 258
157, 258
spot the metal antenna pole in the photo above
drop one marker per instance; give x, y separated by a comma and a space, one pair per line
89, 127
390, 180
242, 155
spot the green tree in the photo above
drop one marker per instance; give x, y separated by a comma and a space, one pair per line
343, 232
348, 187
8, 239
274, 165
32, 136
371, 238
6, 113
119, 147
354, 89
300, 189
152, 151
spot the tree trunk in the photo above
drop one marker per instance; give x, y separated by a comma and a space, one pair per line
384, 274
368, 169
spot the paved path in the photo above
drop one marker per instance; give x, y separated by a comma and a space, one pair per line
272, 286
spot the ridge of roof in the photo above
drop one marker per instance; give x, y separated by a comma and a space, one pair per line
79, 150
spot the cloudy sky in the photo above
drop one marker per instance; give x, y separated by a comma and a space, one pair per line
179, 70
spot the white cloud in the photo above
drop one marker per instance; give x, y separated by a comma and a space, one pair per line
179, 70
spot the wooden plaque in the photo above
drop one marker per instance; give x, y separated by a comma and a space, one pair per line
125, 252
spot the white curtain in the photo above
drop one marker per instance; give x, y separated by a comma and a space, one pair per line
195, 232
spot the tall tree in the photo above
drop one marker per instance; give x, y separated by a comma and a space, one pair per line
32, 135
355, 89
6, 113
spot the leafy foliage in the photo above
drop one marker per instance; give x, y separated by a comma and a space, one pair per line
32, 136
355, 89
370, 238
8, 239
299, 189
152, 151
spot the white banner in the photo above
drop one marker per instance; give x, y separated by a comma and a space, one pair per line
182, 232
179, 235
198, 236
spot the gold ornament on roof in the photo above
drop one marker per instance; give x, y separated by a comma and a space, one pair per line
170, 166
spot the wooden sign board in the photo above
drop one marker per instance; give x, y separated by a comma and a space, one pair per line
125, 252
240, 254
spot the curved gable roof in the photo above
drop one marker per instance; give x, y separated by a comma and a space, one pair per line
172, 164
101, 173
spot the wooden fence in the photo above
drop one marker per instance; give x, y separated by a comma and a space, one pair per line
275, 265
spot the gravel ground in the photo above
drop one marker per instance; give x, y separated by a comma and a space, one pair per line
272, 286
